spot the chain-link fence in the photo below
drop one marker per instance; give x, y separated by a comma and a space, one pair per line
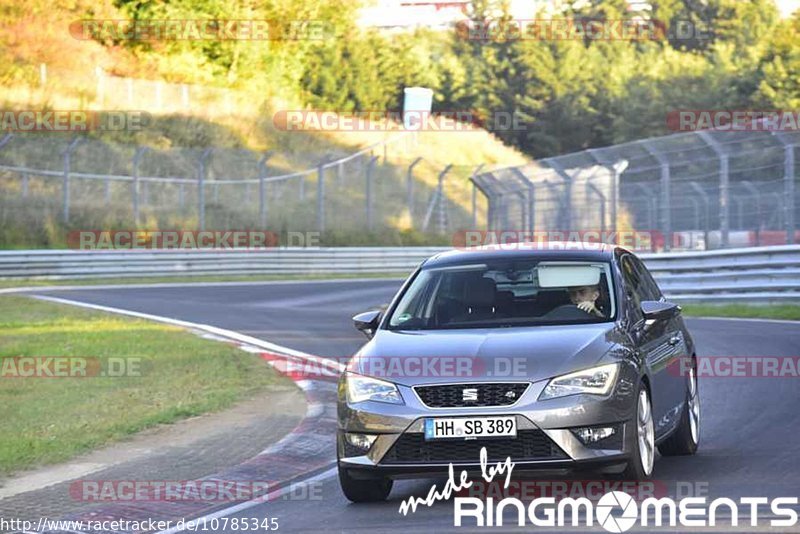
698, 190
93, 184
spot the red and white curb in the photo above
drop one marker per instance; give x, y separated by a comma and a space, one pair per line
307, 454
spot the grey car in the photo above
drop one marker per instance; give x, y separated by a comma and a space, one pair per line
561, 358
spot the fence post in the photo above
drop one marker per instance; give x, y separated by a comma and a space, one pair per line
107, 192
475, 195
321, 197
137, 157
67, 154
666, 193
370, 168
25, 185
530, 206
442, 200
301, 191
262, 189
757, 196
707, 204
788, 184
410, 189
724, 188
201, 188
591, 187
567, 205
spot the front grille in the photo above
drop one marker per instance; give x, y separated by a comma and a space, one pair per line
528, 445
454, 395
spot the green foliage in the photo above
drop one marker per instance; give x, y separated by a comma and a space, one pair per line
569, 94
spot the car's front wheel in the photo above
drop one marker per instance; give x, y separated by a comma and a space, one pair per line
686, 438
364, 489
643, 447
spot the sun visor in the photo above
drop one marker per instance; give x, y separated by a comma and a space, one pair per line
560, 275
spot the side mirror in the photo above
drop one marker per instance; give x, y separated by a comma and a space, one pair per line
655, 310
367, 322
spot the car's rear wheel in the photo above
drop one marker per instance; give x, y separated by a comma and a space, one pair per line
365, 489
643, 448
686, 438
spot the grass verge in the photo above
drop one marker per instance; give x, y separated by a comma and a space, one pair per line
781, 311
49, 420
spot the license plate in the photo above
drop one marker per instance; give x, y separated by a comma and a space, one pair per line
470, 427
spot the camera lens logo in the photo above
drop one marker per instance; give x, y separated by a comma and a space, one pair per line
608, 510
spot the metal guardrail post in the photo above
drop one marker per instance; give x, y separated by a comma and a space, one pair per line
617, 167
201, 189
262, 189
410, 189
724, 187
67, 155
24, 185
137, 158
368, 191
666, 192
789, 195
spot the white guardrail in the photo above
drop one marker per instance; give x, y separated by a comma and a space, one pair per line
763, 274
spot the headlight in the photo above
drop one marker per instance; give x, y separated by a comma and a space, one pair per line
361, 388
595, 381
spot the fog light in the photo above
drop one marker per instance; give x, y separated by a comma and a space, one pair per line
361, 441
594, 434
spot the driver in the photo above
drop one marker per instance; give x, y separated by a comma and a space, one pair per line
585, 297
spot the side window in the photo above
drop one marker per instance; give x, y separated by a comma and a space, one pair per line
632, 279
649, 288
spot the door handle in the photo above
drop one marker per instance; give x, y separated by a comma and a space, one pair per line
674, 340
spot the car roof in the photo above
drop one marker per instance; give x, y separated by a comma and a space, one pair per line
551, 250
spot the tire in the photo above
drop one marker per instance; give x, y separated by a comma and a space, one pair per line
686, 438
366, 490
642, 439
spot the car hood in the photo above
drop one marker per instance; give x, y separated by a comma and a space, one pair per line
502, 354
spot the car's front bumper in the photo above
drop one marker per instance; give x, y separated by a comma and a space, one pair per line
553, 419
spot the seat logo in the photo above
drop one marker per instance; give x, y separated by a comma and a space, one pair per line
469, 394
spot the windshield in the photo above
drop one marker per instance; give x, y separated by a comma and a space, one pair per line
506, 293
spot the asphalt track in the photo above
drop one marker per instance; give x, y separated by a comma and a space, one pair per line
750, 428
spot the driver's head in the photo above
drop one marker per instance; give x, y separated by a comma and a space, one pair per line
584, 294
